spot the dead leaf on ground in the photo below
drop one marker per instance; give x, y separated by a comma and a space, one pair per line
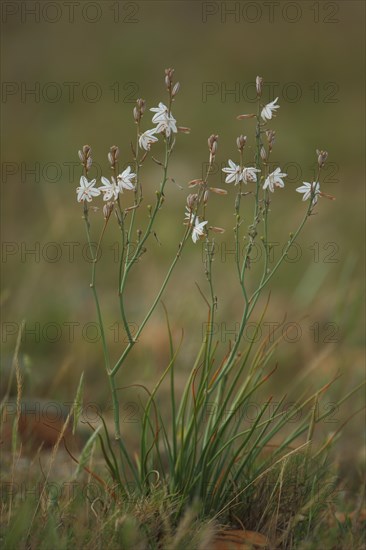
356, 516
238, 539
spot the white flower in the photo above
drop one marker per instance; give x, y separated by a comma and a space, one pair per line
234, 173
87, 191
167, 125
274, 180
198, 226
309, 189
249, 174
268, 109
198, 230
109, 189
165, 121
147, 138
161, 112
124, 179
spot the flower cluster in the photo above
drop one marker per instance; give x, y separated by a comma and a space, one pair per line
194, 199
165, 123
110, 189
163, 118
236, 174
249, 175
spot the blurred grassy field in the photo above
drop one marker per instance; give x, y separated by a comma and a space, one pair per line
322, 61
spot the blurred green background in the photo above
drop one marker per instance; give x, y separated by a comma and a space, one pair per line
312, 53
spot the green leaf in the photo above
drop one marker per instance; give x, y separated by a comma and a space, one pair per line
78, 403
87, 450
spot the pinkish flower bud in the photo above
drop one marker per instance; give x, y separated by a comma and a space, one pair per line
217, 229
113, 155
191, 200
108, 209
211, 140
218, 191
169, 73
241, 117
270, 134
241, 141
193, 183
212, 146
183, 129
322, 157
87, 150
141, 105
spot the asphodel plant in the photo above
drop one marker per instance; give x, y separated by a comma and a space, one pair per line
203, 452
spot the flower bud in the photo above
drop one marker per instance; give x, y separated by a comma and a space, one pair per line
193, 183
141, 105
217, 229
211, 140
139, 110
270, 134
205, 197
107, 210
115, 151
85, 156
113, 155
169, 73
191, 200
218, 190
259, 85
322, 157
212, 145
241, 117
176, 89
241, 141
263, 154
87, 150
183, 129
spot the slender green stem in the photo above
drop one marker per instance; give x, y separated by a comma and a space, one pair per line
94, 290
290, 242
137, 195
153, 306
159, 202
256, 218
